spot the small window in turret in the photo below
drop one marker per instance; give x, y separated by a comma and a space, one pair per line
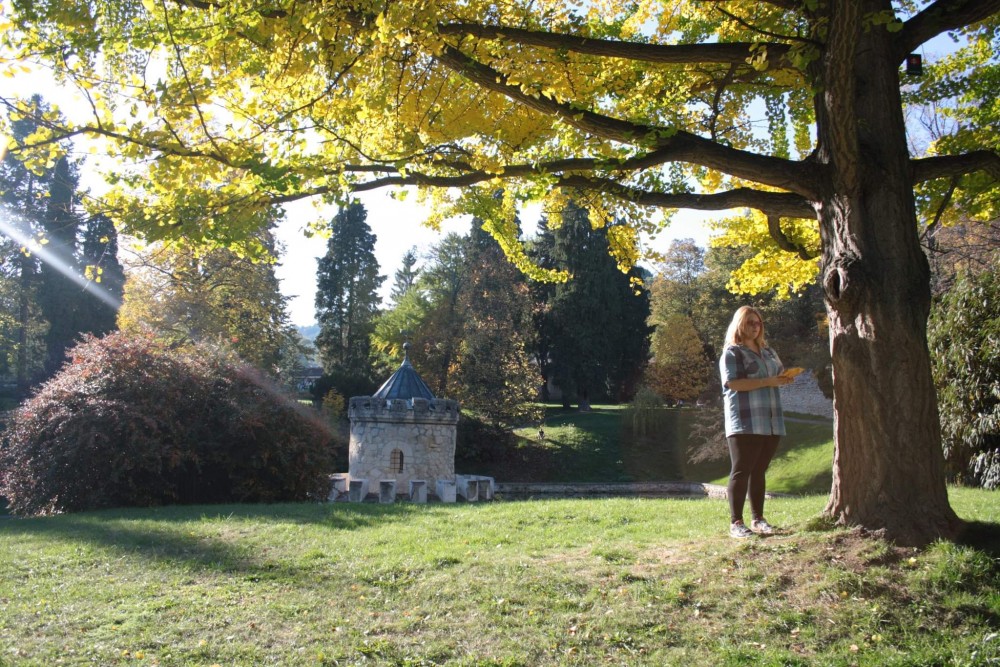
396, 461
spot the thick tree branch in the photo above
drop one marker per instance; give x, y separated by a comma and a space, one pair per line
940, 17
783, 204
950, 166
724, 53
785, 243
799, 177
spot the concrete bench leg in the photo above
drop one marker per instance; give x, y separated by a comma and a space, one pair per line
338, 485
418, 491
387, 491
468, 487
485, 490
446, 490
357, 490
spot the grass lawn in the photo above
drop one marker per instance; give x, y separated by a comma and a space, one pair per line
593, 447
565, 582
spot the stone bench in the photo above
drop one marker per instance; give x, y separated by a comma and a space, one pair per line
338, 486
475, 487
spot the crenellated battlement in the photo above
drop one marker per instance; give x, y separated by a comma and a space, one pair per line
416, 410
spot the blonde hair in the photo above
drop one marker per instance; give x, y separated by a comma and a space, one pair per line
738, 332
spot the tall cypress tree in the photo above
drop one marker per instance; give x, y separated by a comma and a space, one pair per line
347, 299
593, 330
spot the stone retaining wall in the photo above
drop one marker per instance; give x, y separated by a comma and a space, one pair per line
804, 396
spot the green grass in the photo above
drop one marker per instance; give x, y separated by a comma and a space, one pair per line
593, 447
567, 582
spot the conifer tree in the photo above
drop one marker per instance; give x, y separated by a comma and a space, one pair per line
594, 332
347, 299
406, 275
59, 294
24, 193
101, 266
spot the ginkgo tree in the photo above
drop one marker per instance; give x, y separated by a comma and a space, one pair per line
226, 107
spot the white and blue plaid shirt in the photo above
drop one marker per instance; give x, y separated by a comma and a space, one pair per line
756, 412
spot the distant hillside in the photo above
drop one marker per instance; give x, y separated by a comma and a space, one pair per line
309, 333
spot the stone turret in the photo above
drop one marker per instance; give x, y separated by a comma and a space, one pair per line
403, 433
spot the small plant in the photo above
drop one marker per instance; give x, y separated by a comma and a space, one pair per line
645, 414
334, 405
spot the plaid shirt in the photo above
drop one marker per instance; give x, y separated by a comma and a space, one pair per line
756, 412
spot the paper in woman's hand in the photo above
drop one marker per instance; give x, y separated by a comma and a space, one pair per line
791, 372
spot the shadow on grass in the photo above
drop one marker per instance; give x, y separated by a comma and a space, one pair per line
165, 534
982, 536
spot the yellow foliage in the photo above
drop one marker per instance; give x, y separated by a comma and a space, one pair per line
771, 268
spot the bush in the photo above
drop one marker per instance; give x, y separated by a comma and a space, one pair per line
129, 422
345, 384
964, 338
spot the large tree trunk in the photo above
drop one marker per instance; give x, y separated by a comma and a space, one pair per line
888, 471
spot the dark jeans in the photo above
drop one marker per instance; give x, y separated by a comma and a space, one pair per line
751, 455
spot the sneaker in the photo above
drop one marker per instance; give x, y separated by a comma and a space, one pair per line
739, 530
762, 527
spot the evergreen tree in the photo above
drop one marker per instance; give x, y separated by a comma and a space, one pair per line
101, 266
347, 297
406, 276
964, 337
593, 331
59, 294
23, 193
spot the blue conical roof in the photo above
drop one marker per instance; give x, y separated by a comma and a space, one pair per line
404, 383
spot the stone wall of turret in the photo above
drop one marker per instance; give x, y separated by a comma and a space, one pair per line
418, 432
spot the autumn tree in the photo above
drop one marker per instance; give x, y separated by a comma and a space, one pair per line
679, 369
681, 365
188, 297
638, 105
675, 288
494, 375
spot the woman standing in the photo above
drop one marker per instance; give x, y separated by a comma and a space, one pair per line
751, 376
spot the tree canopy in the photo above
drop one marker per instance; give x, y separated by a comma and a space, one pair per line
244, 104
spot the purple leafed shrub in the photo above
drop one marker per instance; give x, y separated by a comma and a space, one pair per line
130, 422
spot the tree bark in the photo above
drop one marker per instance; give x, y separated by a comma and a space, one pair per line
888, 471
